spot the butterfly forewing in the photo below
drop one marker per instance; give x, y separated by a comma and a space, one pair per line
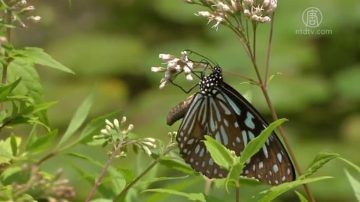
220, 111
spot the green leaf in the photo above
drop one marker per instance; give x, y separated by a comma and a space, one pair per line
301, 197
8, 173
189, 196
234, 175
249, 181
276, 191
38, 56
40, 143
177, 165
355, 184
353, 165
160, 179
115, 176
6, 90
78, 119
102, 189
83, 157
95, 126
14, 145
7, 147
319, 161
257, 143
30, 82
221, 155
101, 200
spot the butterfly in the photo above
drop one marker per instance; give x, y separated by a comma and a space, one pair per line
220, 111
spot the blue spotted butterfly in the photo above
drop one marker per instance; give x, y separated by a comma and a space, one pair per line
220, 111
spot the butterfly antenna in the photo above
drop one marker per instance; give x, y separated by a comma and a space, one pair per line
200, 55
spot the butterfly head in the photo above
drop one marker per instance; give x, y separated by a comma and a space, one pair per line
208, 83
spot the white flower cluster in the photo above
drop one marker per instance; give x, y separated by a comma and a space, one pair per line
220, 10
174, 66
259, 12
20, 8
147, 144
113, 130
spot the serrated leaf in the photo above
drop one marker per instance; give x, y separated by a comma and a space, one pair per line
78, 119
177, 165
190, 196
38, 56
256, 144
319, 161
30, 82
355, 184
276, 191
301, 197
219, 153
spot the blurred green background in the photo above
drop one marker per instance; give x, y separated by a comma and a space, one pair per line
111, 46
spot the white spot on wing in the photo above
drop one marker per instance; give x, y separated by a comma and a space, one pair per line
261, 164
249, 120
275, 168
279, 157
244, 136
264, 148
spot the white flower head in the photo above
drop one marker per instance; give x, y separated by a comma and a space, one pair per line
222, 7
174, 66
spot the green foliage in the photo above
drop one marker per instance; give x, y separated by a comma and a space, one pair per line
33, 142
226, 159
301, 197
319, 161
274, 192
355, 184
221, 155
77, 120
189, 196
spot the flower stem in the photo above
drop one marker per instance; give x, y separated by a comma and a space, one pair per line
264, 86
132, 183
237, 193
8, 21
99, 180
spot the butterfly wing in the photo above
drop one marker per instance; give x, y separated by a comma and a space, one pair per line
271, 164
230, 119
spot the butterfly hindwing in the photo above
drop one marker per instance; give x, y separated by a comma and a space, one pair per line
220, 111
272, 163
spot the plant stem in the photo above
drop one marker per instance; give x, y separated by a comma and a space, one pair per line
237, 193
7, 21
263, 87
268, 52
126, 189
48, 156
207, 187
254, 25
99, 180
